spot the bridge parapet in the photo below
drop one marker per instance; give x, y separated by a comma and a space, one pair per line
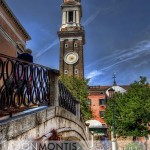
39, 123
67, 101
25, 85
33, 101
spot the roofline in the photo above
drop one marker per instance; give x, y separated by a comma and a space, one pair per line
106, 87
16, 21
70, 4
97, 86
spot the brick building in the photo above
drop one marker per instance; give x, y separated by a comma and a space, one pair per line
98, 96
72, 39
13, 36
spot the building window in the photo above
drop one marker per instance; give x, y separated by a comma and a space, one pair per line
75, 45
89, 101
102, 102
76, 71
102, 92
66, 45
65, 71
102, 114
70, 16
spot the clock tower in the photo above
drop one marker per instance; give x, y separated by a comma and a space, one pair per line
72, 39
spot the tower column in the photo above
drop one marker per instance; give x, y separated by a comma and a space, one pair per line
77, 17
67, 17
64, 18
74, 16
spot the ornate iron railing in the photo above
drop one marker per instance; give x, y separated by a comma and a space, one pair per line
66, 100
22, 84
26, 85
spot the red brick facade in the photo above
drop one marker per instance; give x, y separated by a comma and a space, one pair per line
98, 98
96, 94
13, 36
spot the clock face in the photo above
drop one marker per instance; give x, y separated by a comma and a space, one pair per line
71, 58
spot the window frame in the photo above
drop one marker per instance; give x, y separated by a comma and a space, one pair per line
101, 114
102, 102
75, 44
66, 45
70, 16
66, 71
76, 71
102, 92
89, 102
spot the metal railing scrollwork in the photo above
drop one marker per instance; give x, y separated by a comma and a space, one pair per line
22, 84
66, 100
26, 85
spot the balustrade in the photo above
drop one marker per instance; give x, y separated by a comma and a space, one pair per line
25, 85
67, 101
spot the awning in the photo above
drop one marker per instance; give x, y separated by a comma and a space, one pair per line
94, 124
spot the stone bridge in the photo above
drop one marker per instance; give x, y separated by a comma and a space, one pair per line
30, 125
33, 102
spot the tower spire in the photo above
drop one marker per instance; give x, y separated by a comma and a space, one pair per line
71, 1
114, 77
72, 39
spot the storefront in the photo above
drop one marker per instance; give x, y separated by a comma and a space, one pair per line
98, 129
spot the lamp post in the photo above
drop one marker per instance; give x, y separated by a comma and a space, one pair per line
114, 143
92, 139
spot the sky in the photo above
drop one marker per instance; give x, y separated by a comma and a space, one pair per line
117, 36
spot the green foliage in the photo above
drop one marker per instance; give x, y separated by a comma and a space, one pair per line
134, 146
131, 110
79, 89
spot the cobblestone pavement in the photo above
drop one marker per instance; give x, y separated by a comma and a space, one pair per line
102, 145
121, 144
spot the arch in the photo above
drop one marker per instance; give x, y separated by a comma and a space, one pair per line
39, 124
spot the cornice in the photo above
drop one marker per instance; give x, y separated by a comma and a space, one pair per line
71, 3
72, 34
7, 37
15, 20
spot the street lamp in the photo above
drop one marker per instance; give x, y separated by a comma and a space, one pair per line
114, 143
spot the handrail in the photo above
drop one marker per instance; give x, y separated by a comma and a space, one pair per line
66, 99
25, 85
16, 59
22, 84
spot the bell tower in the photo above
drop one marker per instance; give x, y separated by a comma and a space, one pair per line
72, 39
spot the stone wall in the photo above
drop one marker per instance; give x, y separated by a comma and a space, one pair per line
35, 124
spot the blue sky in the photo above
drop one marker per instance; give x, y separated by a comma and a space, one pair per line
117, 36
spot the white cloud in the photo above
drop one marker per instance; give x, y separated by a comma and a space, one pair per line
119, 58
94, 73
55, 42
122, 56
91, 18
99, 10
86, 23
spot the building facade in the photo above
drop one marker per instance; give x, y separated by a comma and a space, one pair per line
13, 36
98, 96
72, 39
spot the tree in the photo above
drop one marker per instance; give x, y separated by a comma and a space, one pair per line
79, 89
131, 110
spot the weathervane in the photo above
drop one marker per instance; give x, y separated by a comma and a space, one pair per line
114, 77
